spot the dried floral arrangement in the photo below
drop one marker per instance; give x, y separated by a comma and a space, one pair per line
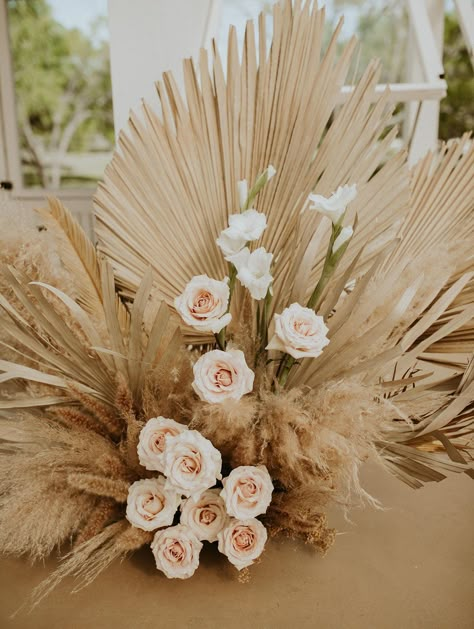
273, 300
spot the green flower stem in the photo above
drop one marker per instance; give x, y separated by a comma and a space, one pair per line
330, 264
262, 321
258, 185
221, 337
285, 368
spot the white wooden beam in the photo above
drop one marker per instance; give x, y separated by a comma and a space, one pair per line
404, 92
422, 122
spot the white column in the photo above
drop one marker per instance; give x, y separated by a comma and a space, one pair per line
148, 37
425, 135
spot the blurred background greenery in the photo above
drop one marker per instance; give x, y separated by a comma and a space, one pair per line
63, 88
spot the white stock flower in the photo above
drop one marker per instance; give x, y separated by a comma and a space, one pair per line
253, 270
220, 376
299, 332
176, 550
150, 504
242, 541
334, 206
151, 442
207, 516
345, 235
191, 463
203, 304
247, 491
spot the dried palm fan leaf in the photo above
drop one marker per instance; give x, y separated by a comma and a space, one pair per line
281, 107
175, 178
395, 382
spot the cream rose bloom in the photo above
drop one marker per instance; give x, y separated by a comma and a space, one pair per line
334, 206
191, 463
247, 491
206, 517
220, 376
299, 332
151, 442
242, 541
176, 550
253, 270
150, 505
203, 304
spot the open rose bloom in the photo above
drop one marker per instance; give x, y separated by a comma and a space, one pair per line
299, 332
176, 552
191, 464
247, 491
204, 303
150, 505
206, 516
220, 376
151, 443
242, 541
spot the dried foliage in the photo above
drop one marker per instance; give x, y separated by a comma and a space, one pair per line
90, 347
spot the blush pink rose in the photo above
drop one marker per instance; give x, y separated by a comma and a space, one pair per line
242, 541
191, 463
203, 304
300, 332
150, 505
151, 442
176, 550
206, 517
247, 491
220, 376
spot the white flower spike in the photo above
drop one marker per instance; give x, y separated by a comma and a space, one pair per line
249, 225
230, 242
344, 236
243, 189
271, 172
334, 206
243, 228
253, 270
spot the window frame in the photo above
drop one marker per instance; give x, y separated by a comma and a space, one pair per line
78, 200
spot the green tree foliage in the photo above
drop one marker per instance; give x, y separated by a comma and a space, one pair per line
457, 109
62, 83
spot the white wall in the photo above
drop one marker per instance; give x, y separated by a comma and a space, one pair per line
148, 37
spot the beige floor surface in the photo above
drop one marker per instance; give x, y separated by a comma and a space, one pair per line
408, 567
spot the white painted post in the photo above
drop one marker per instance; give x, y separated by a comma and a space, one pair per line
425, 136
148, 38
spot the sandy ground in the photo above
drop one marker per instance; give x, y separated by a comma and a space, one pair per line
408, 567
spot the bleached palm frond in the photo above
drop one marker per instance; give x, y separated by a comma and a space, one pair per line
57, 346
174, 176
